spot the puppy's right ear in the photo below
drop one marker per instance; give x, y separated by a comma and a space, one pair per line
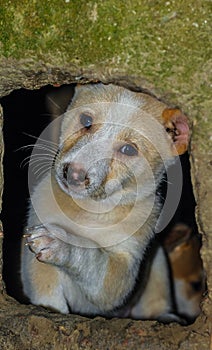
176, 124
179, 234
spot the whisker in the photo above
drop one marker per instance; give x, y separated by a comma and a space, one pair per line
43, 144
44, 171
54, 103
43, 168
40, 164
42, 155
36, 158
160, 196
24, 162
38, 146
40, 138
47, 155
45, 147
37, 155
52, 115
23, 147
168, 182
46, 115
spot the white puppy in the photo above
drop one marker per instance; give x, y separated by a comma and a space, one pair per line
93, 214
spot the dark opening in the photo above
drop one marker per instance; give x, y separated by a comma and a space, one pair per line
28, 113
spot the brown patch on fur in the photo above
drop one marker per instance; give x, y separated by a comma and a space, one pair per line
183, 248
176, 125
71, 140
45, 277
117, 170
117, 267
65, 202
179, 234
185, 259
75, 212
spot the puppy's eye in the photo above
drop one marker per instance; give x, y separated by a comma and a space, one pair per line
129, 150
196, 285
86, 120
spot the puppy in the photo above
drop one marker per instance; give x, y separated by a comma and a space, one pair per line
183, 247
92, 216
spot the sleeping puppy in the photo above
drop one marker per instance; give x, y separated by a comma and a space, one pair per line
183, 248
93, 214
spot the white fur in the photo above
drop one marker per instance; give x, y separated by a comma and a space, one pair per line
92, 247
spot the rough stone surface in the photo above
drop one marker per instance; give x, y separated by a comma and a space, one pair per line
162, 46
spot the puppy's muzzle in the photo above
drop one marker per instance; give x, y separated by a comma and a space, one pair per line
75, 175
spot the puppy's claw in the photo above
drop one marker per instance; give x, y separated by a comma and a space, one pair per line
33, 228
38, 255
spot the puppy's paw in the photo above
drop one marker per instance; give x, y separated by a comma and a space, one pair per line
171, 317
46, 247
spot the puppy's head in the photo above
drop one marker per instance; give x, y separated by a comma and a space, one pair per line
114, 142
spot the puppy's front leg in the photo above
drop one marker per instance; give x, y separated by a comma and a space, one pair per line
105, 276
46, 246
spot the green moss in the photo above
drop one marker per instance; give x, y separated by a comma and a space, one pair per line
166, 42
97, 32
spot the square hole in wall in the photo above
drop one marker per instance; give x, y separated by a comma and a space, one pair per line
26, 114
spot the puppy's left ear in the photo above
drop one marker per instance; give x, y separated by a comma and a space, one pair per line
176, 124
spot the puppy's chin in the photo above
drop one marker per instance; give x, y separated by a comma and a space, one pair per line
107, 194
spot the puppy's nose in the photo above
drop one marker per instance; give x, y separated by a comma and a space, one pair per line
74, 174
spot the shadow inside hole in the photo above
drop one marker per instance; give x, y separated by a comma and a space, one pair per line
28, 113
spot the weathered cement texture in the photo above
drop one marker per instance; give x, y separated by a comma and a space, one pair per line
162, 46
